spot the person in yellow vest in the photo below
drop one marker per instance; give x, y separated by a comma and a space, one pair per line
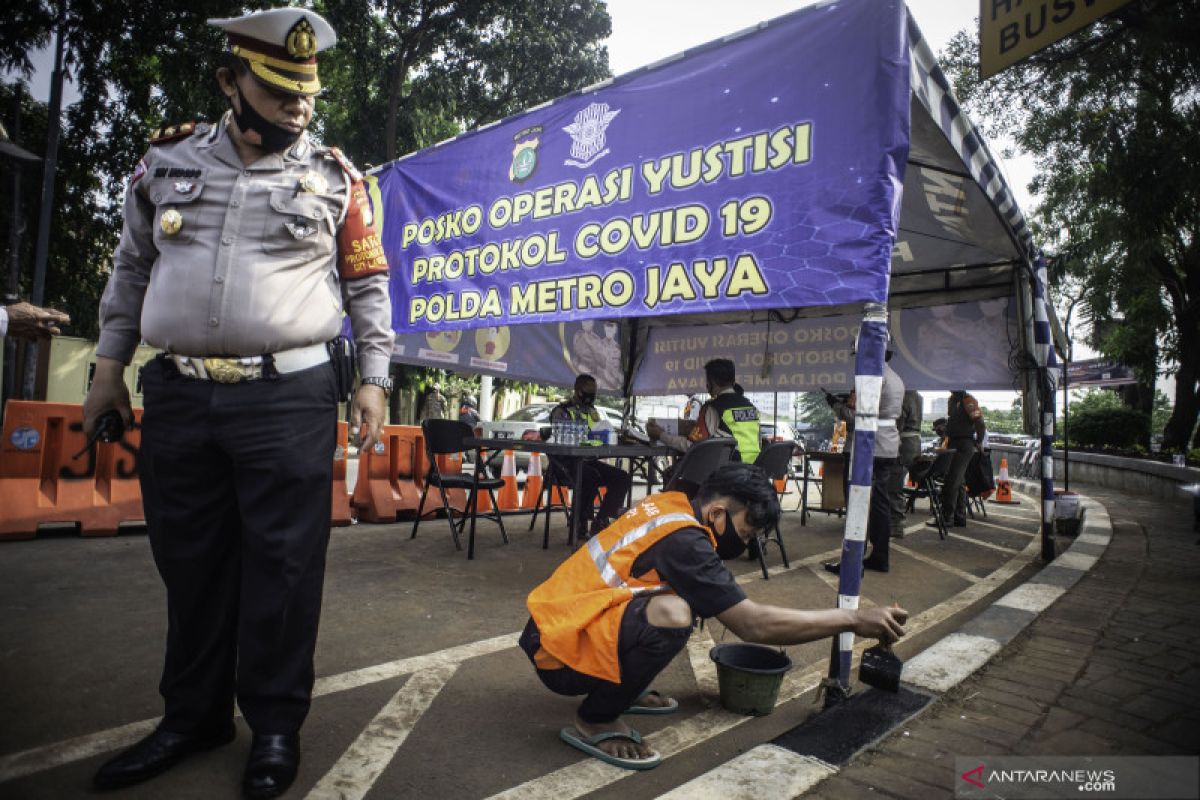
616, 612
728, 413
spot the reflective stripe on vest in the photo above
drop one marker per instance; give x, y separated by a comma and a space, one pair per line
600, 556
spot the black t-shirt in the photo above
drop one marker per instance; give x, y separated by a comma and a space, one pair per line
686, 561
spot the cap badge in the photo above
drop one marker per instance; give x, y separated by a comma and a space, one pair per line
170, 222
314, 183
184, 187
302, 40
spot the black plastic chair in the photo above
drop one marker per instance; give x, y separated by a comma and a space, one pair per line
555, 483
443, 436
776, 460
698, 462
928, 484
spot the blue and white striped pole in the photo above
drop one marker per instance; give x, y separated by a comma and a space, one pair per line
868, 384
1047, 382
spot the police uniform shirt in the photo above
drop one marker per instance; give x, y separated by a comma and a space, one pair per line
218, 258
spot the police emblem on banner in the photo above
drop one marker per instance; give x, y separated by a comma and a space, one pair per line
525, 159
587, 134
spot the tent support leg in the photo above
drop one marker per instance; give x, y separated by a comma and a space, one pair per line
868, 384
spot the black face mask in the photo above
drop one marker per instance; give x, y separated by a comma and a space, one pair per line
729, 544
587, 398
274, 138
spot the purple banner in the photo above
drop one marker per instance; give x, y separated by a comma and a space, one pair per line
957, 346
762, 172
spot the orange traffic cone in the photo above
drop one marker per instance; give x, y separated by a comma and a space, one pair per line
1004, 494
509, 499
533, 482
780, 485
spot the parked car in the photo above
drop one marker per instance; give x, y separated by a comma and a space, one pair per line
528, 422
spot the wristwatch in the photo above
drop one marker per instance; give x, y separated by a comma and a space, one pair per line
382, 383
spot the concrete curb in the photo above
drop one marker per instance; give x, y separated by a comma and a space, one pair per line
933, 672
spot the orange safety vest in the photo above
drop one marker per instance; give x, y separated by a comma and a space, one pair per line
578, 609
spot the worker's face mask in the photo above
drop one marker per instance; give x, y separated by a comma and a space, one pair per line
729, 544
587, 398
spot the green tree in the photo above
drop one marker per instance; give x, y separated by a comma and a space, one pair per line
404, 75
423, 70
1111, 116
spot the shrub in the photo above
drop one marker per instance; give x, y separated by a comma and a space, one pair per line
1108, 427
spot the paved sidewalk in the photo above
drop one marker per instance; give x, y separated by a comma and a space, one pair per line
1112, 667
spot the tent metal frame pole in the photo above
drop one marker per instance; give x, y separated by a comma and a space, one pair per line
1047, 378
868, 385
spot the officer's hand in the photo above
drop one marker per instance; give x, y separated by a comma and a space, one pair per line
108, 393
367, 414
884, 624
31, 322
653, 430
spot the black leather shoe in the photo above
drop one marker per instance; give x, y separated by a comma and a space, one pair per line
156, 754
272, 765
872, 565
836, 567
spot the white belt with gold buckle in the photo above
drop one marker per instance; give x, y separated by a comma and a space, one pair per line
249, 368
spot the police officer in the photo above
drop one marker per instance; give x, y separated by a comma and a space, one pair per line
581, 407
244, 245
728, 413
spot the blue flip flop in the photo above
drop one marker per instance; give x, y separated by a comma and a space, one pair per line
587, 744
638, 708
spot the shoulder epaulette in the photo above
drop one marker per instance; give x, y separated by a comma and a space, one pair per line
345, 164
171, 133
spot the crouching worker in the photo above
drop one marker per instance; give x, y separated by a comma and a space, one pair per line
620, 608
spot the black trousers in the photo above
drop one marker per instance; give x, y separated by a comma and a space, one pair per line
236, 487
616, 481
643, 651
879, 518
953, 503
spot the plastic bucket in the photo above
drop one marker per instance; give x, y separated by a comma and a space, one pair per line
749, 676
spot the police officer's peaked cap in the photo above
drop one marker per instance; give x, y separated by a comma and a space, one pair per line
280, 46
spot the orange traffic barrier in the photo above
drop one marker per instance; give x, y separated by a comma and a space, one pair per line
339, 515
1004, 494
509, 498
387, 475
41, 483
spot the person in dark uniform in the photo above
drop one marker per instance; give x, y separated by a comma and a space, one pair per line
965, 431
581, 407
616, 612
244, 246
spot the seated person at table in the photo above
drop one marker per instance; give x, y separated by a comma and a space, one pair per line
581, 407
616, 612
728, 413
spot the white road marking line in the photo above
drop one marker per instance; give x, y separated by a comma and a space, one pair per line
817, 558
703, 668
1004, 528
763, 771
981, 543
933, 562
369, 755
49, 756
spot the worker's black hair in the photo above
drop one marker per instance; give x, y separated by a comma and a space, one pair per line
720, 372
746, 484
583, 378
